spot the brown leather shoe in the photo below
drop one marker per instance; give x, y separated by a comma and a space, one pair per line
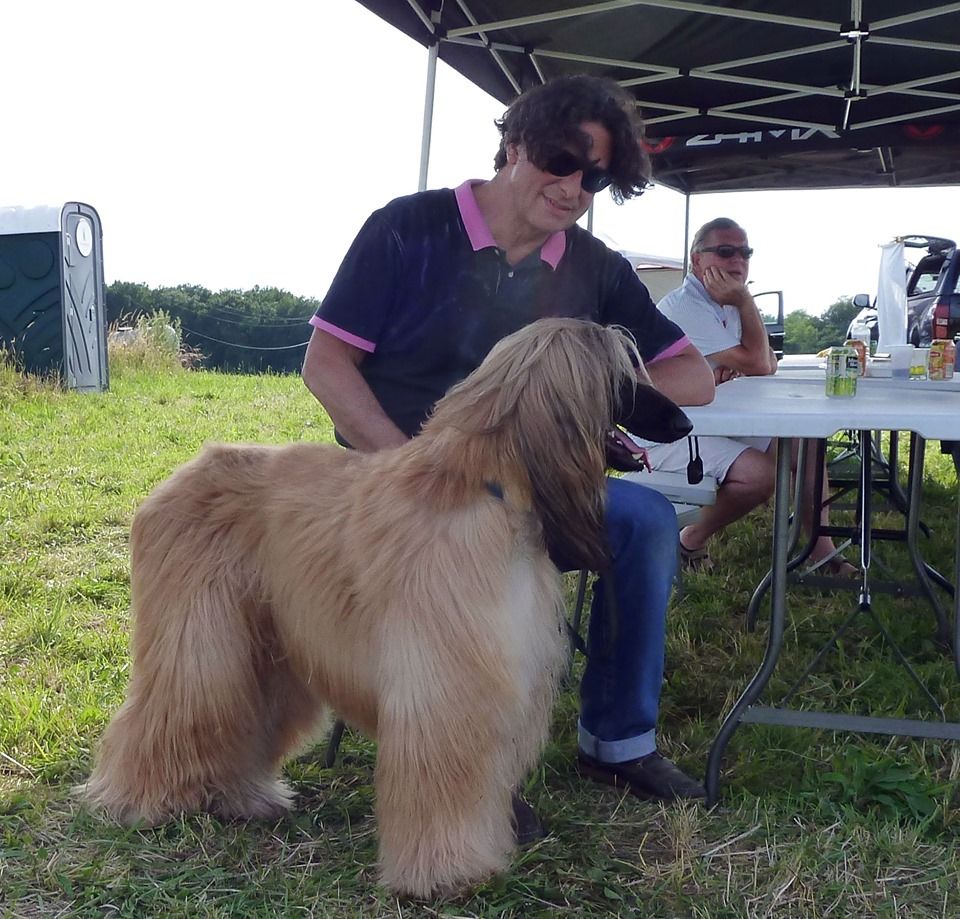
526, 824
652, 777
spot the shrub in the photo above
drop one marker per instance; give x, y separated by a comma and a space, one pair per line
150, 341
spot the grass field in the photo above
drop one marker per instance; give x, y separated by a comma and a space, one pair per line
810, 823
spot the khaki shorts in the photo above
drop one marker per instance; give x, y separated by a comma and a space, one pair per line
717, 453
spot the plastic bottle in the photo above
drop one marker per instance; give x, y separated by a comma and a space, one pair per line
861, 331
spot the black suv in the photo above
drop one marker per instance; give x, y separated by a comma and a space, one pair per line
933, 293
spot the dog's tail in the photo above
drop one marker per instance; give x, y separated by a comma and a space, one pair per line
211, 700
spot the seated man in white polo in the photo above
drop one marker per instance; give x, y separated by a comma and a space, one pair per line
714, 308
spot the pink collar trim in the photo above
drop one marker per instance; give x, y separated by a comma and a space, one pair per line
479, 233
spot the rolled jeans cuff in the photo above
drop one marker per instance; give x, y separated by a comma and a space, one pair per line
616, 751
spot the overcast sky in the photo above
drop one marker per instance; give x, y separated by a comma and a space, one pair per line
230, 144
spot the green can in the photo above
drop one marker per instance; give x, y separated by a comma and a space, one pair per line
843, 368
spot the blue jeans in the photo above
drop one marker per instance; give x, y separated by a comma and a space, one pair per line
620, 692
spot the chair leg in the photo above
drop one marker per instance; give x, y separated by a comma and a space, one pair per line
581, 598
678, 577
573, 627
333, 744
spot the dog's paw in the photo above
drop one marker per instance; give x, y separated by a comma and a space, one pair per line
268, 800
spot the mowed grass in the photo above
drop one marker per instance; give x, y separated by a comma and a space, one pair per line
810, 823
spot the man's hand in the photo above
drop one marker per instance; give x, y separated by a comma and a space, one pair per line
725, 288
753, 355
331, 372
722, 374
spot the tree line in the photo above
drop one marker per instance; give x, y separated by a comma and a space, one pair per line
250, 331
266, 329
806, 334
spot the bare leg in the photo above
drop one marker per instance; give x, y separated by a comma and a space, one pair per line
748, 484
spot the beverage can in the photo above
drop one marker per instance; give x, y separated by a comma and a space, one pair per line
936, 364
843, 368
860, 347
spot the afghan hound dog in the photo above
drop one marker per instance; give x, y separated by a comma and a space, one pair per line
411, 591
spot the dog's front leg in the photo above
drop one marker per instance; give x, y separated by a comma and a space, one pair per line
445, 768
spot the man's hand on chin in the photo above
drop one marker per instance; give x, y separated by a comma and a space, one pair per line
724, 287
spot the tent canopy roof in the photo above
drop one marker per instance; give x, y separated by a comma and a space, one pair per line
736, 94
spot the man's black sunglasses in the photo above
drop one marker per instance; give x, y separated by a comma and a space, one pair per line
564, 163
729, 251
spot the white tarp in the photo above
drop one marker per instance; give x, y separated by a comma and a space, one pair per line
892, 297
659, 273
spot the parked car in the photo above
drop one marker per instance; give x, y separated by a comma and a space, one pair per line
933, 293
774, 327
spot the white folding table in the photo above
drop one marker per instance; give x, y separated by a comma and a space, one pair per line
791, 407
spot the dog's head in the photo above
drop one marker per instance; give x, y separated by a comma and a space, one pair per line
542, 403
645, 411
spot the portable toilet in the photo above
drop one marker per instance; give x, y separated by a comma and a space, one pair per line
52, 306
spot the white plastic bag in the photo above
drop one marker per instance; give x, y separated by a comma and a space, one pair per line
892, 297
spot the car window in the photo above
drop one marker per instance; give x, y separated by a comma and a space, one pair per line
925, 276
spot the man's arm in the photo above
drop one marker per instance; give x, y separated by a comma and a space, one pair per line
685, 377
753, 356
330, 371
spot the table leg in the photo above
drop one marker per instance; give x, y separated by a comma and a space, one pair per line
866, 515
796, 523
778, 592
897, 494
865, 508
920, 567
864, 605
956, 568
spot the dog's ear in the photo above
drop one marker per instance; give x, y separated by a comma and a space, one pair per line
649, 414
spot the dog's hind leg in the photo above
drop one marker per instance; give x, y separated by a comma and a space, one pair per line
198, 730
194, 732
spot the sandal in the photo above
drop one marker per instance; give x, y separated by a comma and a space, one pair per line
835, 565
840, 567
695, 559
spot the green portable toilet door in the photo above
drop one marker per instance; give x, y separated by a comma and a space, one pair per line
84, 313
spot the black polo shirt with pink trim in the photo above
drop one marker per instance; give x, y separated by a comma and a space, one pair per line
426, 292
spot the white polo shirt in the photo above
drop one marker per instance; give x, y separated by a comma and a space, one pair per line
709, 325
712, 328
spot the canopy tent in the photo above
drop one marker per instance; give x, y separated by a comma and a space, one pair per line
735, 94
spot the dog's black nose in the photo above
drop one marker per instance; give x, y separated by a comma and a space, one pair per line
649, 414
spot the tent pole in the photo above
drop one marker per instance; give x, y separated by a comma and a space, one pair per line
428, 114
686, 233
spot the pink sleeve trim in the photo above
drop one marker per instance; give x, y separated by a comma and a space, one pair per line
343, 335
671, 350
